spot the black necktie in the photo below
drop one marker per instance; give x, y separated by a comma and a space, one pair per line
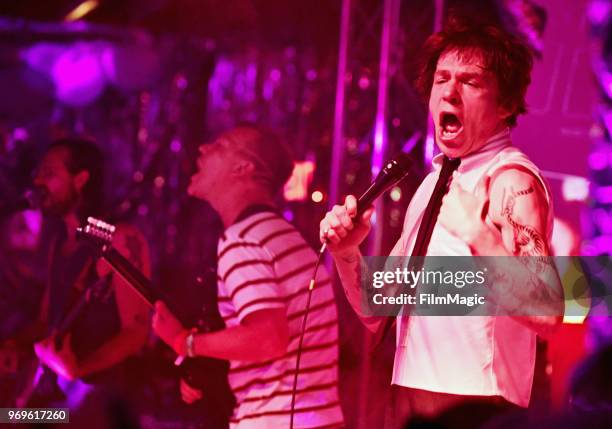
430, 216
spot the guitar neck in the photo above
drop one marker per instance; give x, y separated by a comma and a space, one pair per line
76, 309
141, 284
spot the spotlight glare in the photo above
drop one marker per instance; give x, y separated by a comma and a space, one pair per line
317, 196
396, 194
81, 10
575, 189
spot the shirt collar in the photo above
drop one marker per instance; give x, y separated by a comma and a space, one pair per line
485, 153
254, 209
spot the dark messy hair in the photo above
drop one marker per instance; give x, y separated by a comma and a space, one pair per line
85, 155
501, 53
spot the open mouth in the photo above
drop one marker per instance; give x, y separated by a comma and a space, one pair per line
450, 125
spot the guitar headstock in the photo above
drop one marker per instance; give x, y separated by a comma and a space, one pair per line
97, 233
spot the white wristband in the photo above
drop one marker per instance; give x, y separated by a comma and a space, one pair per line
189, 344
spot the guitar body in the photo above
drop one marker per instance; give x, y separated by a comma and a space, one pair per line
38, 386
206, 374
198, 303
210, 376
20, 376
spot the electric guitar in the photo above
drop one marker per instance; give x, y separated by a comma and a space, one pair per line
30, 391
206, 374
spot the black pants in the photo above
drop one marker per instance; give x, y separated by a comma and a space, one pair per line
451, 411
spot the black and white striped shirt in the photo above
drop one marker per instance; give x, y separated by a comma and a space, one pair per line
265, 263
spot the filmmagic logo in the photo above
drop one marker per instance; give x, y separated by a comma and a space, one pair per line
429, 299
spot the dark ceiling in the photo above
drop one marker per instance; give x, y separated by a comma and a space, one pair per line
268, 21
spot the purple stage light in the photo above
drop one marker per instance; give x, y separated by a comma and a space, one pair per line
599, 159
603, 220
603, 194
78, 76
364, 82
575, 189
175, 146
311, 75
275, 75
599, 12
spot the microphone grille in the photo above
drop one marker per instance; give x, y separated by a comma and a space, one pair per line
401, 164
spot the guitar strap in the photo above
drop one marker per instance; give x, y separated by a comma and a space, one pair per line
65, 271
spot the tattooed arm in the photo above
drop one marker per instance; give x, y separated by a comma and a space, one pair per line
133, 312
528, 285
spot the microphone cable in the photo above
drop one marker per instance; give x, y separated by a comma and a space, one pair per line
393, 172
311, 287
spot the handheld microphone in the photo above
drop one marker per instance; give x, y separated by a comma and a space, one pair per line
394, 171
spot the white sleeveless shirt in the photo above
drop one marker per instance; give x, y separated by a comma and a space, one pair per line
465, 355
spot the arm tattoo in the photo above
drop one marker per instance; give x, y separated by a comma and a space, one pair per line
527, 285
539, 293
527, 191
527, 240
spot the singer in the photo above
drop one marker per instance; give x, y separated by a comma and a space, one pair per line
483, 197
264, 269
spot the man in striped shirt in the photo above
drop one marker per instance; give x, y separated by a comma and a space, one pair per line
264, 269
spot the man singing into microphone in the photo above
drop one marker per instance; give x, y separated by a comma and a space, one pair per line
483, 197
264, 269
